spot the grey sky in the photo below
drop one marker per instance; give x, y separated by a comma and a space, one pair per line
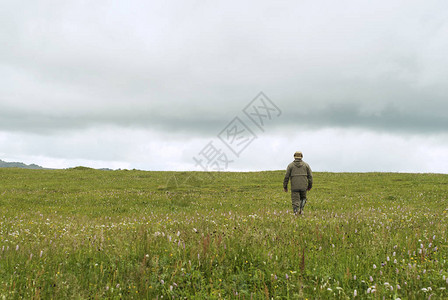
148, 84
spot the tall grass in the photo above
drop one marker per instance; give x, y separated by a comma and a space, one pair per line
89, 234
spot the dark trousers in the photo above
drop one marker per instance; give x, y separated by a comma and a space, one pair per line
298, 200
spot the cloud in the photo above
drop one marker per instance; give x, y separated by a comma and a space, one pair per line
334, 150
187, 68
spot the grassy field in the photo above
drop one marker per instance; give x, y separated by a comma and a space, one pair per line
89, 234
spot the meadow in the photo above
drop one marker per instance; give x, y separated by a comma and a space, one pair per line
128, 234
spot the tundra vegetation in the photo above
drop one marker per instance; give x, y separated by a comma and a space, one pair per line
86, 234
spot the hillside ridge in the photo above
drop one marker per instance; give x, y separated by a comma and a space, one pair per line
4, 164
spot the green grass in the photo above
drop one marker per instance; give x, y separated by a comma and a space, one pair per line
88, 234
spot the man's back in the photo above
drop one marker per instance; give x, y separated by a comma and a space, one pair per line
301, 177
300, 174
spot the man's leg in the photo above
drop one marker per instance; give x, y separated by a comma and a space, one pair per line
295, 199
302, 201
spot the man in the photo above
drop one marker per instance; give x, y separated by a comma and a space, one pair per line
299, 172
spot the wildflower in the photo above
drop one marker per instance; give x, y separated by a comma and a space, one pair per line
398, 287
354, 277
355, 293
287, 277
171, 288
371, 278
387, 258
393, 254
41, 253
162, 281
374, 266
395, 261
17, 248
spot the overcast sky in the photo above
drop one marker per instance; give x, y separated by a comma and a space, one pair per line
162, 85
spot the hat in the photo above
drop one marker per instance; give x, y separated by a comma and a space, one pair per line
298, 154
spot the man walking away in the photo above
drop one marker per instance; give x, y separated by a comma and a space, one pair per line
299, 172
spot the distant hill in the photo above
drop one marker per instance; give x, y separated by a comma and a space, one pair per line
4, 164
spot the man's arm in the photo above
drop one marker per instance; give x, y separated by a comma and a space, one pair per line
310, 178
286, 179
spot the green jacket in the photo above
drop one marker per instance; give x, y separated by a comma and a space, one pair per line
300, 174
